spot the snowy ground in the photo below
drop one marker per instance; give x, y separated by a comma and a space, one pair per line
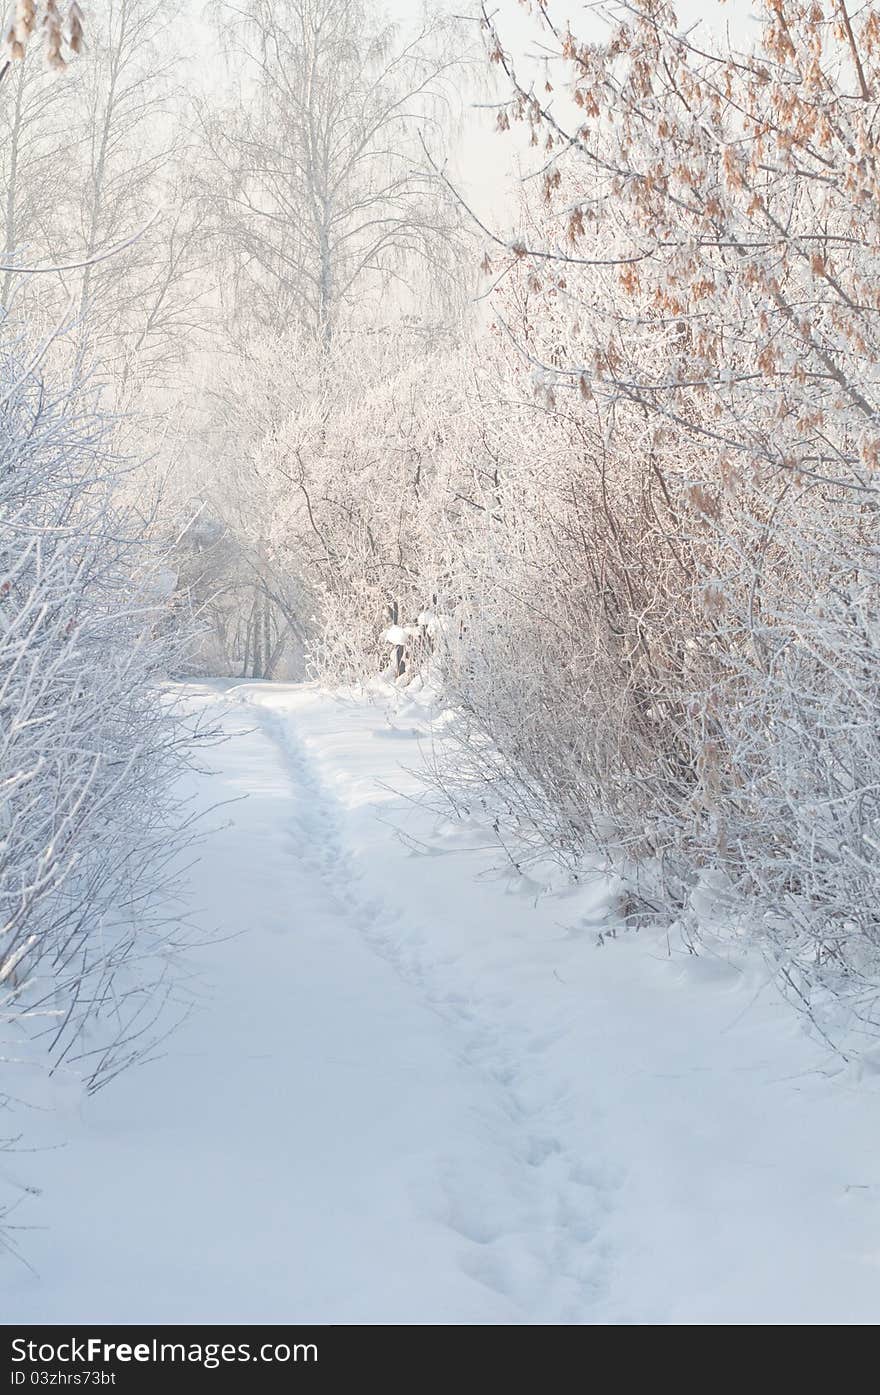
413, 1090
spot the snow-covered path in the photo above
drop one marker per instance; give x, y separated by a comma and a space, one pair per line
412, 1091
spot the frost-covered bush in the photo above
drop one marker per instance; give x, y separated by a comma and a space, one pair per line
90, 823
565, 660
673, 636
680, 676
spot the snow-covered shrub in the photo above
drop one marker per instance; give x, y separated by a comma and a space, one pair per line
566, 658
683, 678
672, 638
90, 747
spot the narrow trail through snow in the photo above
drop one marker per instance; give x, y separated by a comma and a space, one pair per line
412, 1091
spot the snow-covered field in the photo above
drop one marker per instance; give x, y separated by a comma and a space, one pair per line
415, 1089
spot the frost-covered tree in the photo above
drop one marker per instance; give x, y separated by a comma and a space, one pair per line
139, 309
91, 160
313, 175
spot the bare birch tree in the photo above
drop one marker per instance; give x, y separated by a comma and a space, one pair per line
95, 160
313, 174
